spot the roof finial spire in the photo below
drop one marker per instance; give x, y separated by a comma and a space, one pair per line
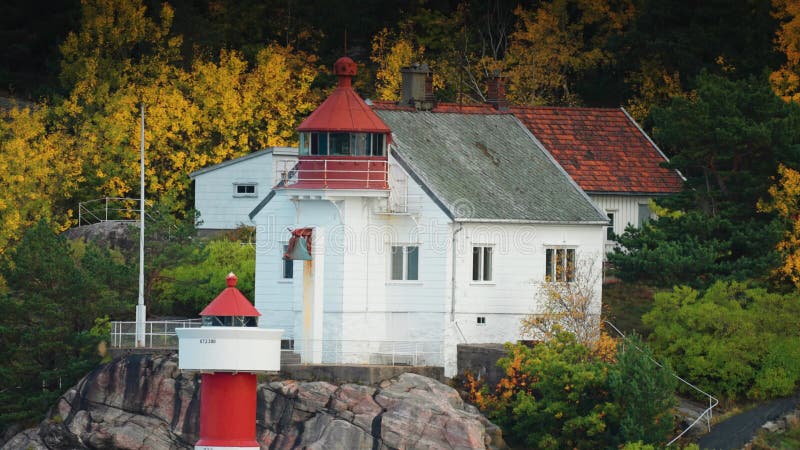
345, 42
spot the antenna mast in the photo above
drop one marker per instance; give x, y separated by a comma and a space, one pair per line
140, 308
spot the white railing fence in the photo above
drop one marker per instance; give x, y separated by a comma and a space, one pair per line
372, 172
707, 414
395, 353
108, 208
157, 333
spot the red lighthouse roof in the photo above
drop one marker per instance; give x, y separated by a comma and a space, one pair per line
344, 110
230, 302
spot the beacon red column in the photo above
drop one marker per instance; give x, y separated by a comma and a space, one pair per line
229, 349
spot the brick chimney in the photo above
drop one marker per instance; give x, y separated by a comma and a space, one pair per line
417, 87
496, 95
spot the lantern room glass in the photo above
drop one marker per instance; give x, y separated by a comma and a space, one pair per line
342, 144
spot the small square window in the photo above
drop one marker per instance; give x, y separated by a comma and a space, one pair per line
404, 263
560, 264
244, 190
481, 320
482, 263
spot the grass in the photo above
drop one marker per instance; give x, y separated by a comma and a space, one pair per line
624, 304
788, 440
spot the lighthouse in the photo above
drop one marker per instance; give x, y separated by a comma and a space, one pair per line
229, 349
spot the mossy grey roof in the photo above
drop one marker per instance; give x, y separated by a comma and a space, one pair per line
486, 167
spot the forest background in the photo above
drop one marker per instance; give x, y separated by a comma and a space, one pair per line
716, 83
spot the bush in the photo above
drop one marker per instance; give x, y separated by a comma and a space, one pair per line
561, 394
731, 340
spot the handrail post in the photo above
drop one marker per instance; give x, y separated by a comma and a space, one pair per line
106, 212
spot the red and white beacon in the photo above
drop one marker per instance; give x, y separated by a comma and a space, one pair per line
229, 349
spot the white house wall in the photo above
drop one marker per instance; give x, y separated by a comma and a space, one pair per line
215, 198
518, 270
624, 207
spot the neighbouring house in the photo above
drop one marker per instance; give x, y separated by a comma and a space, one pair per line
224, 194
610, 157
427, 227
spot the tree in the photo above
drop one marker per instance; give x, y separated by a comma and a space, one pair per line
559, 42
786, 80
186, 288
561, 394
573, 307
37, 172
48, 318
727, 140
644, 393
785, 201
732, 339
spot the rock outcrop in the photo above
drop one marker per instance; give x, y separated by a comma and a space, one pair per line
145, 402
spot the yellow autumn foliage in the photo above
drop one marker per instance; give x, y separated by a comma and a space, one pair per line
37, 171
785, 201
786, 80
550, 47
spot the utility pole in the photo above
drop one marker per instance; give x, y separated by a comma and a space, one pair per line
140, 308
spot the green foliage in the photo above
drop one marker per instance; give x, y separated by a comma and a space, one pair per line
559, 394
186, 288
48, 329
732, 340
696, 249
644, 393
728, 139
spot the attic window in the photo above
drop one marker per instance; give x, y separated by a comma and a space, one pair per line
244, 189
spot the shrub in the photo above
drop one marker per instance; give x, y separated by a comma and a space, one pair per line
731, 340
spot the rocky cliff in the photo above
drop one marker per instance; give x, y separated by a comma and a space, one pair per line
145, 402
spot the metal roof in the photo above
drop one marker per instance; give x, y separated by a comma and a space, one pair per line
230, 302
276, 150
487, 167
344, 110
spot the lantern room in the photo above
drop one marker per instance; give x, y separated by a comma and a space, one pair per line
343, 143
229, 339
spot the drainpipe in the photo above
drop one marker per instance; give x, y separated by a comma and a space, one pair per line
453, 276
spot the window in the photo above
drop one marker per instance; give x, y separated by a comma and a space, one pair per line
644, 214
610, 229
559, 264
481, 320
405, 263
348, 144
244, 189
287, 270
482, 263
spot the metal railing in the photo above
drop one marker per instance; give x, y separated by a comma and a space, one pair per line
712, 401
365, 352
105, 209
157, 333
335, 171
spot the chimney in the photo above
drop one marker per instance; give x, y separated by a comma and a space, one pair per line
496, 95
417, 87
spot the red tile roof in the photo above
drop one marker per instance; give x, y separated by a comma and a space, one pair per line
602, 149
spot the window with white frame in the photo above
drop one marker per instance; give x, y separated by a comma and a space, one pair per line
482, 263
244, 189
404, 263
610, 228
287, 268
559, 264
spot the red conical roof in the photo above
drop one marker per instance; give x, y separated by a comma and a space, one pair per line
344, 110
230, 302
